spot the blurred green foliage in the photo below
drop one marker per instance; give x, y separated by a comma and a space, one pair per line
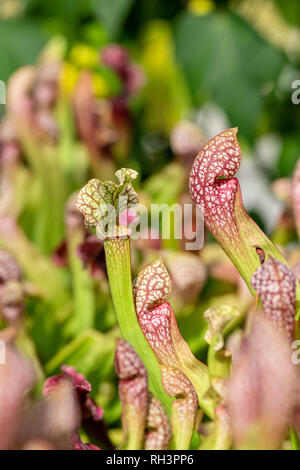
227, 62
216, 57
290, 10
23, 39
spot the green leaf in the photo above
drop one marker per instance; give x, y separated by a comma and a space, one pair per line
112, 14
84, 302
91, 353
290, 10
23, 40
289, 155
160, 192
165, 81
226, 61
294, 439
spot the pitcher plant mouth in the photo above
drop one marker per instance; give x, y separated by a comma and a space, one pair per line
216, 191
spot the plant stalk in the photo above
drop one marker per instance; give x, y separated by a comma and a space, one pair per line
117, 253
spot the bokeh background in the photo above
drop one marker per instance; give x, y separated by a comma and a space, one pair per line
237, 58
219, 63
140, 84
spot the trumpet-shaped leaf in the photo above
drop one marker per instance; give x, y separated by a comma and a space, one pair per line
216, 191
262, 392
133, 391
218, 359
221, 436
184, 407
90, 412
158, 433
296, 196
182, 373
9, 268
276, 285
16, 376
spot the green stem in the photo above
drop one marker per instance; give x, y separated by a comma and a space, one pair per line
218, 364
294, 439
51, 192
27, 346
241, 249
36, 266
118, 265
135, 432
82, 287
